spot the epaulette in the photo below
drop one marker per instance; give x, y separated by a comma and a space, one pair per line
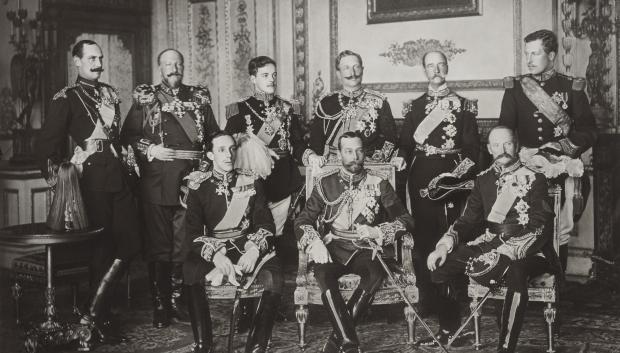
377, 173
114, 96
202, 95
63, 92
295, 104
144, 94
195, 178
509, 82
232, 109
319, 103
579, 83
470, 105
327, 173
375, 93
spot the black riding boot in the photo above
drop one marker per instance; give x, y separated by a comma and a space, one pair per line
342, 322
262, 325
513, 313
200, 318
357, 306
177, 311
159, 275
99, 299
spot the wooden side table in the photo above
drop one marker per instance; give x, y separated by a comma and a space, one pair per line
50, 331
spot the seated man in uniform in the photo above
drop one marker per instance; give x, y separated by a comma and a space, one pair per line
512, 203
230, 229
353, 205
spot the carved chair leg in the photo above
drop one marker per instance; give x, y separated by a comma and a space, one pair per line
302, 316
473, 305
411, 323
550, 313
16, 292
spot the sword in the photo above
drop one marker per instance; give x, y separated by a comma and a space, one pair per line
376, 249
236, 300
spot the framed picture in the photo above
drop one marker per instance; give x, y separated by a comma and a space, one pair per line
382, 11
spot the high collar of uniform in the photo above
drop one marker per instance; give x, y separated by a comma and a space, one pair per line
169, 90
262, 96
441, 91
352, 94
545, 75
86, 83
499, 170
223, 176
351, 178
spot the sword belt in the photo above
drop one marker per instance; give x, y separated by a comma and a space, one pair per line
430, 150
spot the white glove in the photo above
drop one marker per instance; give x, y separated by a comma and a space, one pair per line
399, 163
367, 232
160, 152
223, 263
316, 161
318, 252
439, 254
248, 260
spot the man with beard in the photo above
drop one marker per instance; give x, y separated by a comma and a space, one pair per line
167, 125
439, 138
228, 221
352, 205
511, 203
353, 108
276, 122
89, 112
552, 115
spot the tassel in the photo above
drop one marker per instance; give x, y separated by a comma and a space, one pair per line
67, 211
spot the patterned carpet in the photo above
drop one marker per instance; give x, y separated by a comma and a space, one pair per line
590, 323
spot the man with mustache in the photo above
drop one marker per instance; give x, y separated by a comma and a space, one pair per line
439, 138
353, 108
230, 231
276, 122
551, 113
352, 204
511, 203
89, 113
167, 125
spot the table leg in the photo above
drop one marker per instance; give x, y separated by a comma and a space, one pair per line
50, 296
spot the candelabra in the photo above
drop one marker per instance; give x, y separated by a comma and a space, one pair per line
33, 40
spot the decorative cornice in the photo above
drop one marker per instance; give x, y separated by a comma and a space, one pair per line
300, 43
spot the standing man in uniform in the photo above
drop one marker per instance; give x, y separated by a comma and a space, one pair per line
276, 122
230, 231
89, 113
551, 113
511, 203
439, 136
167, 125
353, 108
351, 204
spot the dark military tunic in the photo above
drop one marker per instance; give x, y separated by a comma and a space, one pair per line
367, 112
453, 140
519, 238
288, 143
534, 129
105, 182
330, 201
181, 121
206, 207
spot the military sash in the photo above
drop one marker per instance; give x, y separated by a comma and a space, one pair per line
429, 124
268, 130
545, 104
359, 201
187, 122
502, 205
243, 190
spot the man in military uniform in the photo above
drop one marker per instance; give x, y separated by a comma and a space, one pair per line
89, 112
276, 122
167, 125
353, 205
550, 112
230, 229
353, 108
511, 203
439, 138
